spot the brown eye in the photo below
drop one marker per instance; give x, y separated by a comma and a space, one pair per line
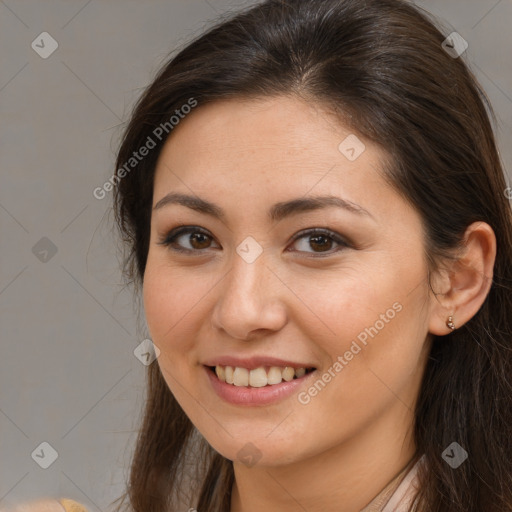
320, 240
197, 239
200, 239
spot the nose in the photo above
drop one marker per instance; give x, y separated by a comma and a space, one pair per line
249, 303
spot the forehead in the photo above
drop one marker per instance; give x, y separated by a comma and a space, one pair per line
249, 154
277, 139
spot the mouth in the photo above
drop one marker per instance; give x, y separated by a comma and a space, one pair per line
264, 376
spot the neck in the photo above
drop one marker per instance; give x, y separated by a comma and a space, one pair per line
352, 473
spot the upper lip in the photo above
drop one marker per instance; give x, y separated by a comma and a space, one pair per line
254, 362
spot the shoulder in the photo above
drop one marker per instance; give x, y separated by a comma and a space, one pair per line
49, 505
39, 505
72, 506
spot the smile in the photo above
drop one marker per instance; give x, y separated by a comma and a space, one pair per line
263, 393
258, 377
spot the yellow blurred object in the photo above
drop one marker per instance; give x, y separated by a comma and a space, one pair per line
72, 506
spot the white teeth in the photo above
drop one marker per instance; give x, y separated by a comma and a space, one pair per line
275, 375
300, 372
288, 373
229, 374
241, 377
221, 373
258, 377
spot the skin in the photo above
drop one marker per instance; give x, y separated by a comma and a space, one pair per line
298, 300
40, 505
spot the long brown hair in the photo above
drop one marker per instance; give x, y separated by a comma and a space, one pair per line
380, 65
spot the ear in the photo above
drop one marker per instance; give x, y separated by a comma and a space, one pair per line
462, 287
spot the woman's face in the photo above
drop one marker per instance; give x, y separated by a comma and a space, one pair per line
350, 301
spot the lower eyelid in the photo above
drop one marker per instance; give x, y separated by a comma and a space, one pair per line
168, 240
340, 245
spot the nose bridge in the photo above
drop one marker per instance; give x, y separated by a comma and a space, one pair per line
246, 282
247, 300
249, 268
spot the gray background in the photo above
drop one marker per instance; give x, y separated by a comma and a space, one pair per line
68, 374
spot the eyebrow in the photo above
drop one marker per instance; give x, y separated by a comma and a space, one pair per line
276, 213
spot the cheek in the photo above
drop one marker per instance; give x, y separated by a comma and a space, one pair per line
168, 305
170, 297
158, 305
339, 306
370, 319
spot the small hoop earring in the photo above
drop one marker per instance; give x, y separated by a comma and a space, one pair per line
450, 324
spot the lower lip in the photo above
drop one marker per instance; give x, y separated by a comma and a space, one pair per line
244, 395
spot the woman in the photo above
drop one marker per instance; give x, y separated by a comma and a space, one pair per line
314, 210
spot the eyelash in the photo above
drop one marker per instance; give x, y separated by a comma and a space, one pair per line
169, 239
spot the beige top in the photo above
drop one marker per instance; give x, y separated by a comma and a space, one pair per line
395, 497
72, 506
399, 493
